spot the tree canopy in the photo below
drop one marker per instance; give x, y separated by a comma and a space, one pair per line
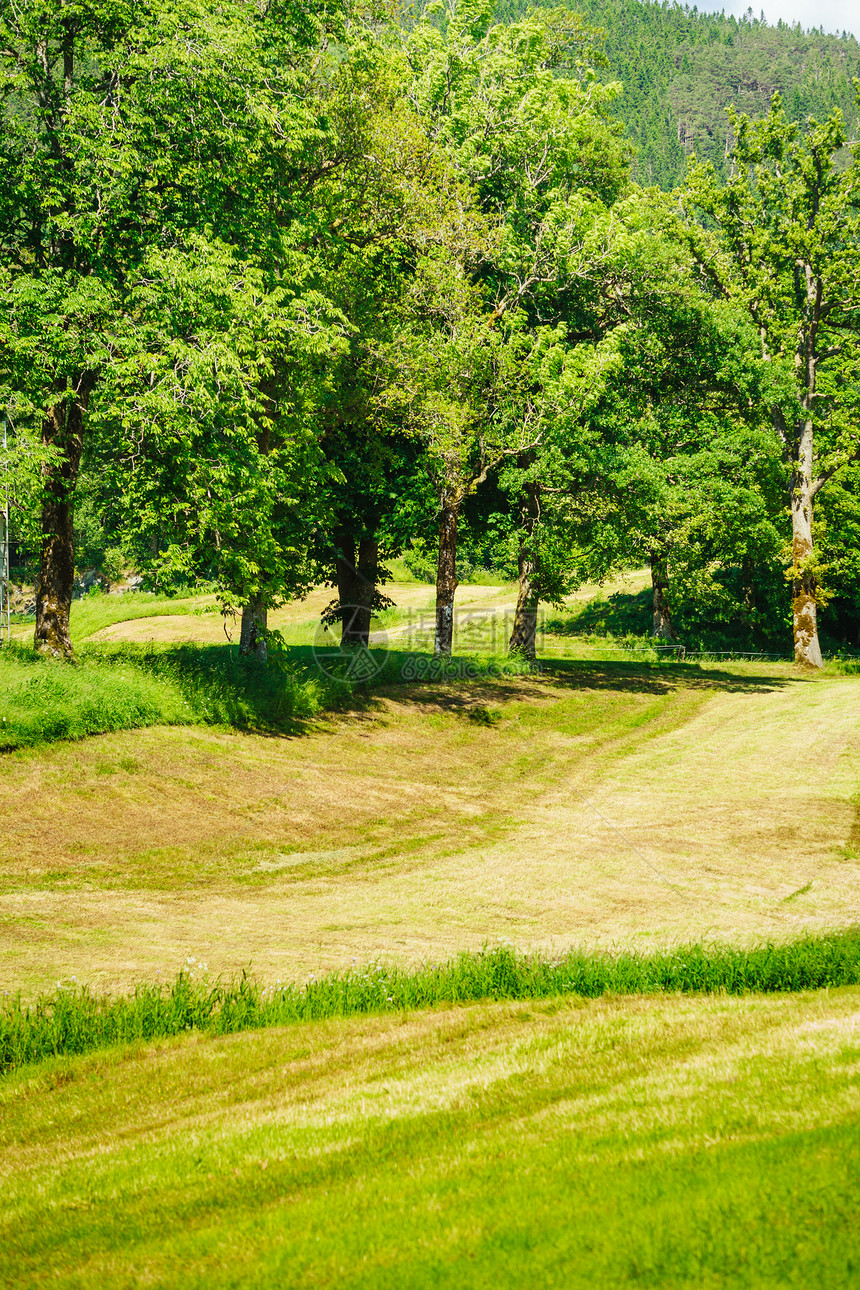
285, 295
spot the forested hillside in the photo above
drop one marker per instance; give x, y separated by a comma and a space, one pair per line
680, 69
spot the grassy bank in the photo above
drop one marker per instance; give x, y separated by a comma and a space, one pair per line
71, 1020
602, 805
42, 700
127, 687
663, 1142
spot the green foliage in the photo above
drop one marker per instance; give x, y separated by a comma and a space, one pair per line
479, 561
838, 535
780, 239
91, 539
404, 274
681, 69
113, 563
72, 1020
623, 614
131, 331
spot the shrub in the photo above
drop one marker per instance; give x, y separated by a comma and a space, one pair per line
113, 564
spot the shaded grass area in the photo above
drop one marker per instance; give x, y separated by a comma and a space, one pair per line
624, 618
624, 615
71, 1020
126, 687
663, 1142
43, 700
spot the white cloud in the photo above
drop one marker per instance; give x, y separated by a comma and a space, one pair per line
833, 15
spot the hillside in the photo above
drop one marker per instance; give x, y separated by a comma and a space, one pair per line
661, 1140
599, 803
680, 70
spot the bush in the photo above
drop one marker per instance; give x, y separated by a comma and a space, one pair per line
113, 564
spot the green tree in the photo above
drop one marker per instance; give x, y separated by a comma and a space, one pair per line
125, 128
394, 200
652, 446
210, 457
526, 127
782, 239
455, 381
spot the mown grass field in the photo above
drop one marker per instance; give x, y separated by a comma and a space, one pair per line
658, 1142
598, 805
607, 803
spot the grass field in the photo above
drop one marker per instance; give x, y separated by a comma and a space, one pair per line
658, 1142
601, 805
608, 803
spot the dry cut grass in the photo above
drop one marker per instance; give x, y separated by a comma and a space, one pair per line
600, 806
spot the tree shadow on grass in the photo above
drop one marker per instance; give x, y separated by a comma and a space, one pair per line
290, 694
660, 678
468, 683
282, 696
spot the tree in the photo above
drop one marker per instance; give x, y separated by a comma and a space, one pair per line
782, 238
210, 458
680, 449
454, 379
393, 200
125, 128
651, 446
525, 125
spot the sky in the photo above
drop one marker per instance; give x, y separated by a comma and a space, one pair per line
832, 15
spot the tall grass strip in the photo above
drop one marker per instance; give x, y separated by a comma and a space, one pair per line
72, 1020
126, 687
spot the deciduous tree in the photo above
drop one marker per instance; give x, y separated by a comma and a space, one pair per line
782, 238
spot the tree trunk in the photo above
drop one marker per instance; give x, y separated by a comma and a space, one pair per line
62, 430
807, 649
748, 590
661, 626
446, 577
356, 586
525, 615
252, 634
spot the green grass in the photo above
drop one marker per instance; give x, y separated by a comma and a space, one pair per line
71, 1020
843, 666
43, 700
92, 613
125, 687
678, 1119
664, 1142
